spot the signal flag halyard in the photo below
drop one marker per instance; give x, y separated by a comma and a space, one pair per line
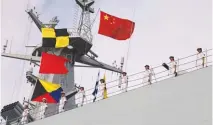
114, 27
52, 64
57, 38
50, 91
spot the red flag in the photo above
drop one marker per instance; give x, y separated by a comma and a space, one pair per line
114, 27
53, 64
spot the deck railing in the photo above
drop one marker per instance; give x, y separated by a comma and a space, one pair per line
185, 65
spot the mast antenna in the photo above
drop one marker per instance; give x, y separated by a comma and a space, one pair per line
5, 46
122, 64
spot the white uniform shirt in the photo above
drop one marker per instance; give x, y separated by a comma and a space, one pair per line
25, 113
125, 80
147, 76
172, 66
101, 90
24, 119
200, 58
43, 107
101, 87
42, 110
62, 101
82, 94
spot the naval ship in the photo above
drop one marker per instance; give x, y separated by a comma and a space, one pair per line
181, 100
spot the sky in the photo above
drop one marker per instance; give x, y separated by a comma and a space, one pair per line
162, 28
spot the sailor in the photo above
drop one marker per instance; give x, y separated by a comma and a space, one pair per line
147, 78
82, 95
43, 108
101, 88
173, 66
200, 58
120, 81
25, 114
124, 84
62, 102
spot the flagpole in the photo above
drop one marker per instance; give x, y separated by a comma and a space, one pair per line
95, 92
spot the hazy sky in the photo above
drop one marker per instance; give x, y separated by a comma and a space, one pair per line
162, 28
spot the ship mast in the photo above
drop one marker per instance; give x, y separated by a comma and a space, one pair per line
84, 28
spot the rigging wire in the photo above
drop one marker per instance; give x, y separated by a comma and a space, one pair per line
26, 39
11, 45
75, 16
22, 68
95, 18
129, 42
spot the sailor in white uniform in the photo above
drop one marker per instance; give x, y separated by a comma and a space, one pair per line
101, 88
147, 77
120, 81
82, 96
200, 59
43, 108
25, 114
124, 84
173, 66
62, 102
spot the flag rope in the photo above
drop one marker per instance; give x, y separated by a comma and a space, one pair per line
26, 42
26, 39
129, 42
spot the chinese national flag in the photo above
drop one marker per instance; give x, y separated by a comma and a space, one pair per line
52, 64
114, 27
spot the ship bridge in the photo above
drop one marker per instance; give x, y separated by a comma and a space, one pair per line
181, 100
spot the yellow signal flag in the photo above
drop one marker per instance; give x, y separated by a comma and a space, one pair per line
105, 89
48, 32
105, 93
48, 86
62, 41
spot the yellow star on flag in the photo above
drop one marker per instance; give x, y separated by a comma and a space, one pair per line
106, 17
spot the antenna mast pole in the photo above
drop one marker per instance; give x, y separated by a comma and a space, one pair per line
5, 46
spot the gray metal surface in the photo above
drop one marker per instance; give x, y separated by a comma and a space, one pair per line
182, 100
67, 84
12, 113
